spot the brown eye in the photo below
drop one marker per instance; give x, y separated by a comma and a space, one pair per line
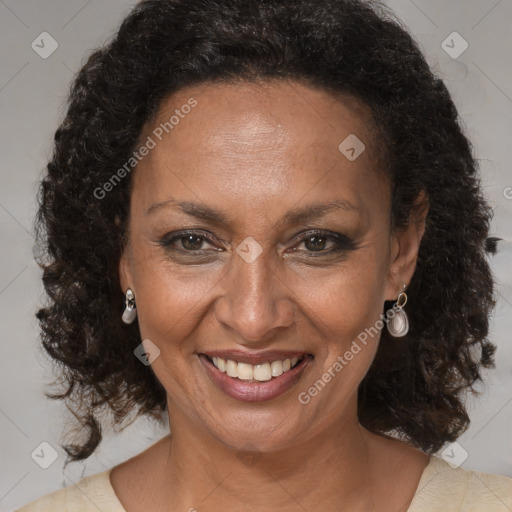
188, 242
192, 242
315, 243
323, 243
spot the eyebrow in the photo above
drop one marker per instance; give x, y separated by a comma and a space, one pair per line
296, 216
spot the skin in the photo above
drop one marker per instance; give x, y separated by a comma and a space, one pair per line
255, 152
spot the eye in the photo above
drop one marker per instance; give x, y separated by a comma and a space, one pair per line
322, 243
187, 241
192, 242
315, 242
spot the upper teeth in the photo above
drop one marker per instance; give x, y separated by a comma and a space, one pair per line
261, 372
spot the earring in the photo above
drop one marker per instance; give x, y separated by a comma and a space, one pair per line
397, 321
129, 312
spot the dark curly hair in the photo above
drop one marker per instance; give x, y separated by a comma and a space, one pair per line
416, 386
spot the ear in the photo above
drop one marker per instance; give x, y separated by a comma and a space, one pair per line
405, 246
125, 269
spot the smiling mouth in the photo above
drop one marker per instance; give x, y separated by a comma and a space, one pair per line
274, 373
255, 373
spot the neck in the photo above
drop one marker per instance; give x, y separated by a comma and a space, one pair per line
201, 472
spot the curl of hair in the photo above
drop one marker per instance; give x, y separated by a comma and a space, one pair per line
415, 387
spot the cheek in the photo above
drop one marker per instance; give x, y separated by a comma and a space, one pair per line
347, 306
170, 306
169, 300
348, 299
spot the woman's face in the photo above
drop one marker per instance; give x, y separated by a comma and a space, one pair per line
288, 252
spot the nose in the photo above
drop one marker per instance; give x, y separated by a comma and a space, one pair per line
256, 302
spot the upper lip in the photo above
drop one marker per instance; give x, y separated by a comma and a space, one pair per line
255, 357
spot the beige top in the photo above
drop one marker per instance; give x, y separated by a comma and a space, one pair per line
440, 489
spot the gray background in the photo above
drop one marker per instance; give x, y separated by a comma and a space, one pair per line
32, 96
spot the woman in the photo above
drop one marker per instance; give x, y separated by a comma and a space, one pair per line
263, 220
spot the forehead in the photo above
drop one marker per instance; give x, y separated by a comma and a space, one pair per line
247, 117
258, 141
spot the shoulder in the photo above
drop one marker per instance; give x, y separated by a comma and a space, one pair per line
446, 489
89, 494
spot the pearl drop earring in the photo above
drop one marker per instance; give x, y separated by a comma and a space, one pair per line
397, 320
129, 313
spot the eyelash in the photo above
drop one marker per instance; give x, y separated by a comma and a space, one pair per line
342, 242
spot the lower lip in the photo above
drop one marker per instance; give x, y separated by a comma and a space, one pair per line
253, 391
